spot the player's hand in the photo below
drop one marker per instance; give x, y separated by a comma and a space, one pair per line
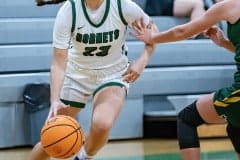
143, 32
133, 72
54, 108
216, 35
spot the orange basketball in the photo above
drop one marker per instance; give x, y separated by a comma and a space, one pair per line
62, 137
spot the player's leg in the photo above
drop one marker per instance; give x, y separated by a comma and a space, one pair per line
37, 152
234, 135
201, 111
106, 108
190, 8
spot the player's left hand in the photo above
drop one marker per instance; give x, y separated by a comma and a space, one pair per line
133, 72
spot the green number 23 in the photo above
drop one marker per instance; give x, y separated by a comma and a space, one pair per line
98, 51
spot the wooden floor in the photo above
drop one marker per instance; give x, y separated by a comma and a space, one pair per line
134, 148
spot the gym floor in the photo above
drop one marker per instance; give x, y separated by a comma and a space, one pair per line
144, 149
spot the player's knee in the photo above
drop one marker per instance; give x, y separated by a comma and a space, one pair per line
188, 120
234, 134
190, 115
101, 125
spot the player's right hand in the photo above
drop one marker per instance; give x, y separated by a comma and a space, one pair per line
55, 107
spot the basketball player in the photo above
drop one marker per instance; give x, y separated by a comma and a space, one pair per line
218, 107
90, 59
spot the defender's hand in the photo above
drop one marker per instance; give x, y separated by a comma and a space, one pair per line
143, 32
216, 35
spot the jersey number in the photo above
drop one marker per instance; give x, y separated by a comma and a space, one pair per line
98, 51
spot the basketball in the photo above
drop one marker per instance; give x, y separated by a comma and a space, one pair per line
61, 137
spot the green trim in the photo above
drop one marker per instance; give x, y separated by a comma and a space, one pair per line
121, 13
73, 103
104, 17
107, 85
231, 155
73, 15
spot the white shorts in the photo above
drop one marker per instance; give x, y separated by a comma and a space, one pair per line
80, 84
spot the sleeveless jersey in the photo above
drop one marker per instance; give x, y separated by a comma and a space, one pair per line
233, 35
98, 45
227, 100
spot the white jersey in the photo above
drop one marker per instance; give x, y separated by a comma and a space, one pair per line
97, 38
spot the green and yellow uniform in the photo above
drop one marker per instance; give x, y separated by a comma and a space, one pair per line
227, 100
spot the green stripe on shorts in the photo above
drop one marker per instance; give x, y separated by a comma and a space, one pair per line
107, 85
73, 103
227, 104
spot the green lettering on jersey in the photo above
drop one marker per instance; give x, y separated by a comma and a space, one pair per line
111, 36
79, 37
105, 37
116, 34
85, 38
92, 39
97, 38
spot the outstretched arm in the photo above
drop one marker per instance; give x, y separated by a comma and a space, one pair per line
220, 11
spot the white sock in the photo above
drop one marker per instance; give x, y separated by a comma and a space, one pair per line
82, 154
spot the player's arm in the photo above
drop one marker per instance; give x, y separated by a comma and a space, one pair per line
148, 48
137, 67
133, 13
57, 72
61, 39
212, 16
229, 46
